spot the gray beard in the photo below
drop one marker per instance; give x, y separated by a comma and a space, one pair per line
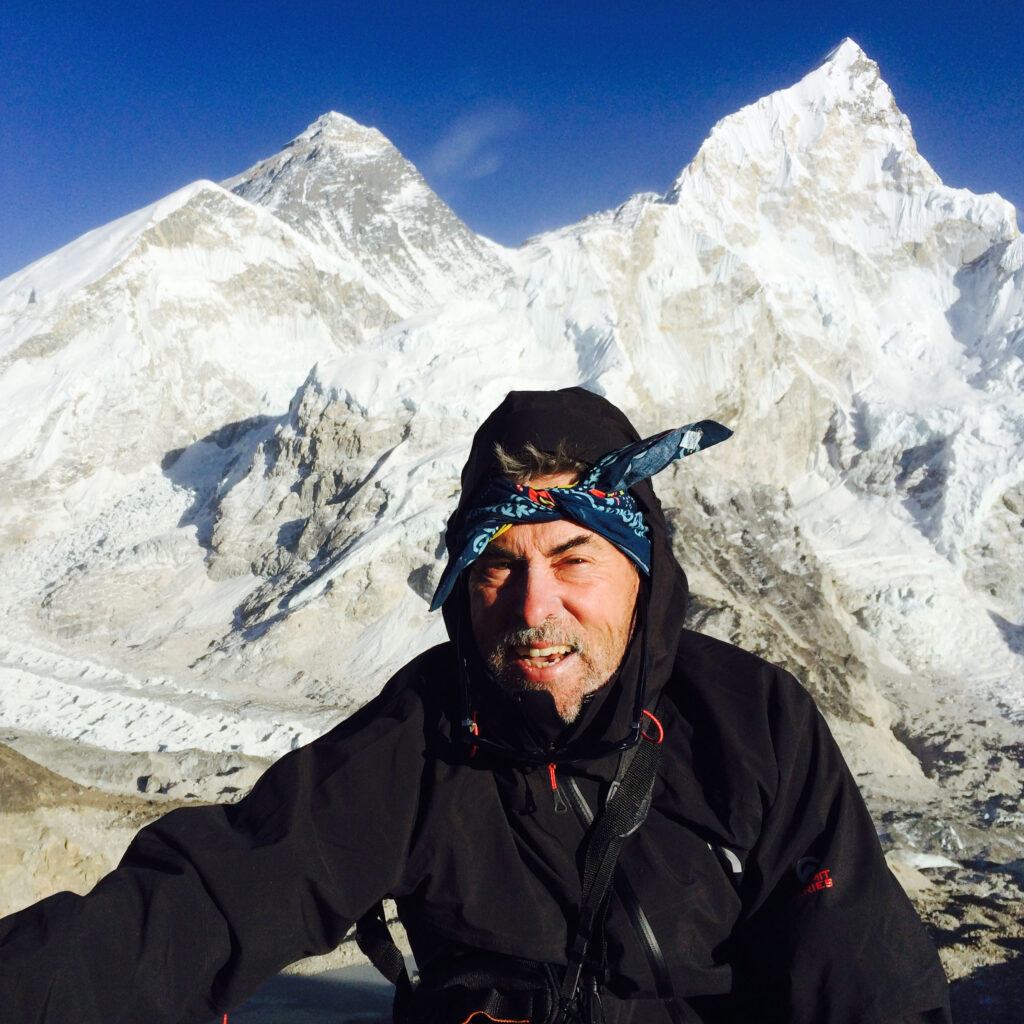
502, 659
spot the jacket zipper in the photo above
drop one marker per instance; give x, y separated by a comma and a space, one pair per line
561, 807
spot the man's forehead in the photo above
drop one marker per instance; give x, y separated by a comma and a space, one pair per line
564, 479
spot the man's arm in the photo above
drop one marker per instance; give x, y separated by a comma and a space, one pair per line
829, 936
210, 901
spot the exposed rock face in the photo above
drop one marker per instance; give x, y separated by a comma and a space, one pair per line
348, 188
56, 834
210, 544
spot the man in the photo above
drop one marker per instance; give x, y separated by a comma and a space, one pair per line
753, 890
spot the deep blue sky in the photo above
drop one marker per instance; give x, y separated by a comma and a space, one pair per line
523, 116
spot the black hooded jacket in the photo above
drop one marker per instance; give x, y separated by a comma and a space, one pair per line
758, 868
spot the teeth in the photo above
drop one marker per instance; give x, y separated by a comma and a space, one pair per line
542, 652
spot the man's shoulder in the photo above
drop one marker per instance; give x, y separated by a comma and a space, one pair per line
706, 663
427, 672
713, 679
739, 719
417, 696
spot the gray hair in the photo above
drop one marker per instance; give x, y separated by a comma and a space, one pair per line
530, 462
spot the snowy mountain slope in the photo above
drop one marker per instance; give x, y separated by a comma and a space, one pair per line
348, 187
352, 491
264, 537
810, 279
197, 314
135, 365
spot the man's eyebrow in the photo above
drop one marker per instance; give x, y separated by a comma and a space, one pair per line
493, 552
583, 538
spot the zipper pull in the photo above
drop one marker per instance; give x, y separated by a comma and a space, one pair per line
561, 807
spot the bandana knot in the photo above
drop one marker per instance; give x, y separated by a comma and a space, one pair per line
600, 501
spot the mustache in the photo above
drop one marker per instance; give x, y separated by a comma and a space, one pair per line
548, 634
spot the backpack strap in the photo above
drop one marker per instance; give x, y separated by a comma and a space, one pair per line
635, 911
624, 811
376, 943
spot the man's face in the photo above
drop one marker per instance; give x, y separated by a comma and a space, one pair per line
551, 606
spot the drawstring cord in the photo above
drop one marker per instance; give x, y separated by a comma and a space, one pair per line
658, 726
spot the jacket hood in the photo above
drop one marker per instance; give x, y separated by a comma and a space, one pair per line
589, 427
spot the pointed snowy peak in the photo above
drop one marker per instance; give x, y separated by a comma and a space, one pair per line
849, 76
331, 137
841, 115
336, 129
832, 159
347, 187
847, 58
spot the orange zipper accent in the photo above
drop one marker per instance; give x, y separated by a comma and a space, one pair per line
497, 1020
561, 806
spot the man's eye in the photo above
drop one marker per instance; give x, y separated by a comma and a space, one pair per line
574, 562
490, 570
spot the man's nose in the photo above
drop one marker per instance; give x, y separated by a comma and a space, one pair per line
539, 596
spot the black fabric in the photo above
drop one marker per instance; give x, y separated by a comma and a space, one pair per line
484, 986
377, 945
625, 808
501, 984
209, 902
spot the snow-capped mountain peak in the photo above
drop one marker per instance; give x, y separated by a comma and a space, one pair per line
85, 259
336, 129
349, 189
332, 139
849, 73
839, 125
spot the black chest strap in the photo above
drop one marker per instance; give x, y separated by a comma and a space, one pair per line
624, 811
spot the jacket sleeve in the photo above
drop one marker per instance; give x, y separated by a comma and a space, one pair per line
829, 935
208, 902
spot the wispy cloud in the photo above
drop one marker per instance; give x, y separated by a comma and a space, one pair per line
471, 146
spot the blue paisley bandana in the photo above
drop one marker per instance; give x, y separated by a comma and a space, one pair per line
600, 501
